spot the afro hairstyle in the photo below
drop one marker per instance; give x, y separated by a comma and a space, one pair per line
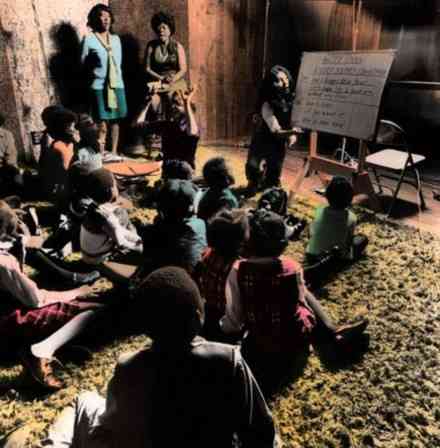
57, 121
168, 301
163, 17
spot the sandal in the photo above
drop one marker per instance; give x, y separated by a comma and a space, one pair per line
41, 370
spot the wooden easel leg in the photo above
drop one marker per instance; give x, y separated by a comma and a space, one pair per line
298, 181
362, 185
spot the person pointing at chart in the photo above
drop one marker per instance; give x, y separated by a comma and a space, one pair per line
273, 131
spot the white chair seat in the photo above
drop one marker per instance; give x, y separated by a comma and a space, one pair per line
392, 159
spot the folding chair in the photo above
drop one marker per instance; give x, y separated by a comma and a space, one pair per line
394, 158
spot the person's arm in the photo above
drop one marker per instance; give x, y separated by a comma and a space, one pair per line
255, 427
11, 151
273, 124
62, 151
193, 128
84, 50
123, 237
62, 432
181, 60
148, 69
26, 290
232, 321
140, 120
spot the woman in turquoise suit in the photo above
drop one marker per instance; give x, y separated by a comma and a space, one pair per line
102, 54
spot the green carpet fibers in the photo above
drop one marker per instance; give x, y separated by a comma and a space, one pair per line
388, 397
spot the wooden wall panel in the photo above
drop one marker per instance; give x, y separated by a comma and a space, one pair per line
226, 41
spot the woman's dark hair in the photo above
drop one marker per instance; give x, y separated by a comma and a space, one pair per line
93, 16
216, 173
268, 93
58, 121
227, 231
339, 193
163, 17
2, 119
268, 234
99, 185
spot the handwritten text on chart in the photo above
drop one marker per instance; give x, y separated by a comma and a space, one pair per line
340, 92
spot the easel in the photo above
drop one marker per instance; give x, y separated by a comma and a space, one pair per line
360, 178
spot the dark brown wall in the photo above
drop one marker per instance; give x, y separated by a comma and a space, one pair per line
226, 39
410, 26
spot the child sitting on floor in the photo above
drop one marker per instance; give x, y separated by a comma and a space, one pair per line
276, 199
218, 177
227, 232
334, 225
55, 160
13, 281
177, 237
108, 238
160, 395
269, 298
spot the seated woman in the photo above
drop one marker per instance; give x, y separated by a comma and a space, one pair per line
227, 232
108, 239
218, 178
180, 132
270, 300
165, 64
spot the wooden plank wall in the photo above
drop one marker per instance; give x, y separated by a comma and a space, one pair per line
226, 51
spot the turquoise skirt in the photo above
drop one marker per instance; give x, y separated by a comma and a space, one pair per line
101, 112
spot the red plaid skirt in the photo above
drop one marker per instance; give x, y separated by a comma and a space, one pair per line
23, 326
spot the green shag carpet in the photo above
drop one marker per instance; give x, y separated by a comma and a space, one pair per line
389, 397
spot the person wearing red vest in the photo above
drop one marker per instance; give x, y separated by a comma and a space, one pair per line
227, 231
270, 301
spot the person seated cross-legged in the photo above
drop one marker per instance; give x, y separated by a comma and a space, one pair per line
183, 390
269, 299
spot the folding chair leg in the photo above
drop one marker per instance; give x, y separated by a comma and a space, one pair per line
396, 191
419, 189
377, 177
